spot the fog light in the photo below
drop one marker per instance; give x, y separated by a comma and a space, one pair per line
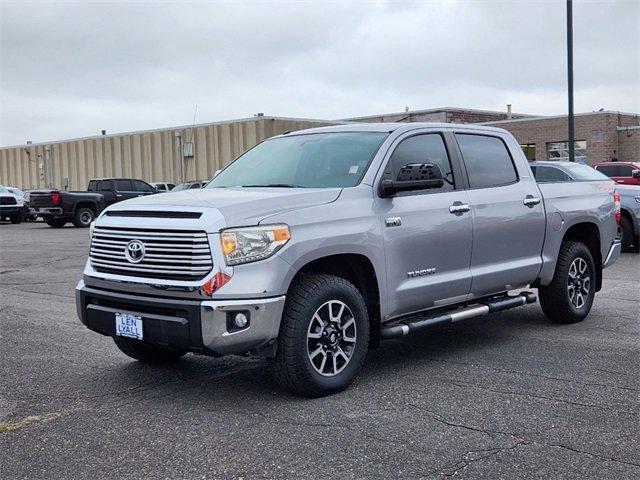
240, 320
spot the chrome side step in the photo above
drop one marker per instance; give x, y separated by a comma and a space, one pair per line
416, 324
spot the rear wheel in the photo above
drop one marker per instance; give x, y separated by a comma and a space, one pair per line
83, 217
56, 222
147, 353
569, 296
16, 219
324, 336
629, 241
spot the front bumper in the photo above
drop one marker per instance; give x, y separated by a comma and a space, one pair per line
11, 210
198, 326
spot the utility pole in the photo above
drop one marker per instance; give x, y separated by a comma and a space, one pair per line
572, 157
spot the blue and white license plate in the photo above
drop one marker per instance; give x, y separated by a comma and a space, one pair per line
129, 325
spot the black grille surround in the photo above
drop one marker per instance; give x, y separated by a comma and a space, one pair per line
8, 201
168, 254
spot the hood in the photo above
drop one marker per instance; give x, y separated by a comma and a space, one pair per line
239, 206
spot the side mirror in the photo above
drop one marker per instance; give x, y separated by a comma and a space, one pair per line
635, 174
414, 176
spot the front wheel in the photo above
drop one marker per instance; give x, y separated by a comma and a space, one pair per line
569, 296
147, 353
16, 219
324, 336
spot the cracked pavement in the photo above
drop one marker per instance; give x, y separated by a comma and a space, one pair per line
507, 396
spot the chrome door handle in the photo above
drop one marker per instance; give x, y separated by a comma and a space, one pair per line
459, 208
531, 201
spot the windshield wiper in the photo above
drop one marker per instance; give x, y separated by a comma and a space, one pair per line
278, 185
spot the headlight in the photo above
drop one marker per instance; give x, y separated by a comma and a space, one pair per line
250, 244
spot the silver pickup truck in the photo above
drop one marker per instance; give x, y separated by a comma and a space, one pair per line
313, 246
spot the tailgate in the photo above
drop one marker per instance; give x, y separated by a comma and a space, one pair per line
40, 199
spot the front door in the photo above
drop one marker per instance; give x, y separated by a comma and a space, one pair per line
427, 242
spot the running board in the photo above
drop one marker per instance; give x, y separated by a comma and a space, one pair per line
416, 324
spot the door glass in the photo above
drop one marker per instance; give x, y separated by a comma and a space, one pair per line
105, 186
625, 170
487, 160
141, 186
124, 186
610, 170
428, 148
544, 174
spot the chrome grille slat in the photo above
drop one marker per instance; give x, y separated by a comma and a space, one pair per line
180, 254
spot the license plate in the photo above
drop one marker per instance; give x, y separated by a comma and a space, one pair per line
129, 325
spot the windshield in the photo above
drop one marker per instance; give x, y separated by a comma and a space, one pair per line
181, 186
318, 160
583, 172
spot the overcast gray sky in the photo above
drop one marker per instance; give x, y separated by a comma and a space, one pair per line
72, 69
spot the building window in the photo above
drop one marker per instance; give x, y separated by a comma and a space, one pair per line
529, 150
560, 151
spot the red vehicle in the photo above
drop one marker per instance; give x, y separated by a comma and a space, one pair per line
621, 172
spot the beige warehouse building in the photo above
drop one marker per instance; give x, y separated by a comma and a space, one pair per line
172, 155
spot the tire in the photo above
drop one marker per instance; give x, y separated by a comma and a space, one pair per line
56, 222
629, 241
147, 353
310, 340
575, 275
83, 217
16, 219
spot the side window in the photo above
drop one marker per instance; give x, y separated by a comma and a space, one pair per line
196, 185
161, 187
550, 174
427, 148
124, 186
609, 170
171, 186
104, 186
487, 160
92, 186
625, 170
140, 186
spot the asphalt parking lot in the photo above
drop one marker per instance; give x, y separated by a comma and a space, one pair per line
509, 396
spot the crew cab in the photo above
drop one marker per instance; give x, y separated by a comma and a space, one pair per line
119, 189
621, 172
312, 247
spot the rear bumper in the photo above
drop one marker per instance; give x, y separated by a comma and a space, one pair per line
614, 253
197, 326
45, 211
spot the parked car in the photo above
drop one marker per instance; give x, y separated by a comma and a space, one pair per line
546, 172
190, 185
11, 208
621, 172
119, 189
58, 208
22, 198
313, 246
162, 187
630, 221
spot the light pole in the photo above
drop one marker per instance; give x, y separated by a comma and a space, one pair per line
572, 157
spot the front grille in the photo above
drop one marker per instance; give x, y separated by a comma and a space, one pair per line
8, 201
168, 254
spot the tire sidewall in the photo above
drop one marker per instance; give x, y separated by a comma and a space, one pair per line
78, 219
352, 298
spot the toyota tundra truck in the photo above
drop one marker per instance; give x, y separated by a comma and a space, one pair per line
312, 247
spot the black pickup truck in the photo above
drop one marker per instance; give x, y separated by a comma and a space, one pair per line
57, 207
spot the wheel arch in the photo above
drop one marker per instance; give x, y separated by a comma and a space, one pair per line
588, 234
86, 204
358, 269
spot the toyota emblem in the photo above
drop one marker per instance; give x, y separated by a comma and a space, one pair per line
134, 251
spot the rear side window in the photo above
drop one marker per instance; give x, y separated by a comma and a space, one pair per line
487, 160
124, 186
549, 174
610, 170
428, 148
92, 186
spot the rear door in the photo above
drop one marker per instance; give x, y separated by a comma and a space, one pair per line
508, 215
427, 246
107, 189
